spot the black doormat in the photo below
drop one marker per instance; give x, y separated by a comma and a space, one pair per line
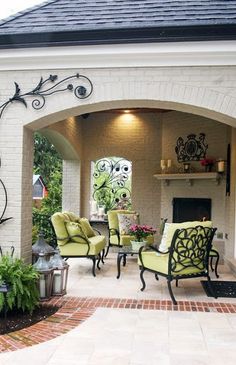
222, 289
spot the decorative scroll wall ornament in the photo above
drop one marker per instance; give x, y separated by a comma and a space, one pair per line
44, 89
191, 150
112, 183
3, 209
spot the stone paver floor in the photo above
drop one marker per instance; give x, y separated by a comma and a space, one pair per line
108, 321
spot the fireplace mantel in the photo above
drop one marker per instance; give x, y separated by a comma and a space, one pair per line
189, 177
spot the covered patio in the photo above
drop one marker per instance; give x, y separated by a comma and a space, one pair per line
133, 88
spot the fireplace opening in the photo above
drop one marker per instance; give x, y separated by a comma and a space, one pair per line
191, 209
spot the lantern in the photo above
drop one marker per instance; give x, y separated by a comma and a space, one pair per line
60, 274
41, 246
45, 277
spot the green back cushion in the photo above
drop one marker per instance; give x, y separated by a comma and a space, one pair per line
75, 229
112, 216
170, 229
58, 221
88, 230
71, 216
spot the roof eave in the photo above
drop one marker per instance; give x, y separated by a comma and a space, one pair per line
122, 36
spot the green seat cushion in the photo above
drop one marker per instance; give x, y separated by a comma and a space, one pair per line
58, 221
88, 230
170, 229
157, 262
76, 232
125, 240
96, 245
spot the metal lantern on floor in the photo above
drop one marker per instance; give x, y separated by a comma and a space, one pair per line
41, 246
60, 274
45, 271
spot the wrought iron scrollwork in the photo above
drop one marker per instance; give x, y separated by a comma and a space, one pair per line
2, 220
41, 91
191, 150
111, 186
191, 249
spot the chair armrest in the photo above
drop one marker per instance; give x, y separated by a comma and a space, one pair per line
149, 248
115, 231
96, 230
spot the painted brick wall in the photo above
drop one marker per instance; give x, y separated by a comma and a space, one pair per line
206, 91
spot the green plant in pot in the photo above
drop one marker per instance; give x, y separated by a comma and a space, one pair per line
21, 279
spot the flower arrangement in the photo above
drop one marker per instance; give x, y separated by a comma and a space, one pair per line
141, 232
207, 162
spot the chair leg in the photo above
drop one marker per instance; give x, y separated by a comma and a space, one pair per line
156, 277
103, 254
142, 279
171, 292
177, 283
216, 263
211, 263
94, 265
98, 262
107, 251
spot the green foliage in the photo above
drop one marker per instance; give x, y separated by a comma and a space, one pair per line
46, 158
47, 163
22, 280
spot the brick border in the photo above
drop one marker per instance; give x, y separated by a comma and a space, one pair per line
73, 311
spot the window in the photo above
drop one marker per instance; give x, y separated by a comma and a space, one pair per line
111, 183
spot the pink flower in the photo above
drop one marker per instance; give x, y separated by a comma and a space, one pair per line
207, 161
140, 232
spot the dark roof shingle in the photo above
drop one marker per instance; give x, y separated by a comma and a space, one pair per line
116, 15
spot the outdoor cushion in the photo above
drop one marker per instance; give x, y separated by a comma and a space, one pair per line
113, 217
71, 216
74, 229
160, 263
170, 229
88, 230
58, 221
125, 240
96, 245
125, 221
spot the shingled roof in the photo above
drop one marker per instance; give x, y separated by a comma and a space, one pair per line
64, 22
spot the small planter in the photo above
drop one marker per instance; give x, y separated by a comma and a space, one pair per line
136, 245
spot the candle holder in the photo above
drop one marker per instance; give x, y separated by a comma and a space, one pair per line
60, 274
163, 166
220, 166
45, 271
186, 167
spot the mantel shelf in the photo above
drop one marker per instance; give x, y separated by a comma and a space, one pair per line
189, 177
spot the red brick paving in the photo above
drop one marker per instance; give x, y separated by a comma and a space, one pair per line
74, 311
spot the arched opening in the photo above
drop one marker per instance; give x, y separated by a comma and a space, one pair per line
138, 136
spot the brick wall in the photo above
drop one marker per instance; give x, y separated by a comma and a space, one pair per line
203, 91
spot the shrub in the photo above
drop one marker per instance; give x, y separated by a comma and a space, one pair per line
22, 280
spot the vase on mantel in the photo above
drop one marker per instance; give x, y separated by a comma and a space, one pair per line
137, 244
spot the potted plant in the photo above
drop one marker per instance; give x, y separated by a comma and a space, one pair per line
21, 281
140, 234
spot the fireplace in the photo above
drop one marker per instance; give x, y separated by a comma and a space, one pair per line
191, 209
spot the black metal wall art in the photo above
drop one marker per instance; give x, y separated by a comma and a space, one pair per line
44, 89
193, 149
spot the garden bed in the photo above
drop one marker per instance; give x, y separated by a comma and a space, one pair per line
17, 320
